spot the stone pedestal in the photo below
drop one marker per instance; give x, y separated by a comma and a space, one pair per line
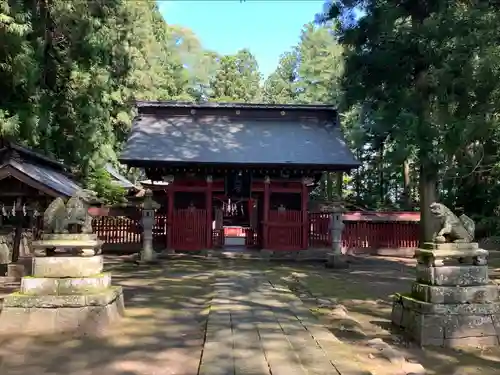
67, 292
452, 302
336, 259
149, 206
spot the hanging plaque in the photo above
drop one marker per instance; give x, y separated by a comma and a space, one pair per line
238, 184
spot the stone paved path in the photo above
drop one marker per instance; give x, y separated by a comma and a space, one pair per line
255, 328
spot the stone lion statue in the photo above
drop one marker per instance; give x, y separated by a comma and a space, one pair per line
58, 217
54, 217
77, 209
452, 228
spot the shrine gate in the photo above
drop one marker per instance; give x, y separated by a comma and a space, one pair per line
214, 167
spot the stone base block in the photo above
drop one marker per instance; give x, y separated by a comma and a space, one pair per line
16, 270
455, 294
79, 243
69, 237
452, 253
63, 286
320, 254
80, 315
337, 261
4, 267
67, 266
458, 325
453, 275
454, 246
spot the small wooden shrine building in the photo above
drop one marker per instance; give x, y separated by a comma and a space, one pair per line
246, 165
27, 174
29, 181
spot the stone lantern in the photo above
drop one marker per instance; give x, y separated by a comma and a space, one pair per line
149, 206
335, 258
336, 228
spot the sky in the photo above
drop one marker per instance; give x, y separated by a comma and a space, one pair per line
266, 27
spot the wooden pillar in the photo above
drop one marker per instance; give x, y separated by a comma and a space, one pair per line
265, 226
305, 216
208, 206
170, 213
250, 211
18, 232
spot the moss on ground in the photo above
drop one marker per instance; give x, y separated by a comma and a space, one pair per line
367, 294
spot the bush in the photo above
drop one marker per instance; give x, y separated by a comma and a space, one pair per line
103, 184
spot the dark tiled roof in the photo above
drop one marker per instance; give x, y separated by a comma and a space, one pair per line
32, 156
46, 176
118, 178
224, 140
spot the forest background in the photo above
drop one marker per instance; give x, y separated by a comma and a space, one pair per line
417, 85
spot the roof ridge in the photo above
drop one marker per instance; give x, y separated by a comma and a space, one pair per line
39, 157
179, 104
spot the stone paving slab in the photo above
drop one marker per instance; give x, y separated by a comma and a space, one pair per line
255, 328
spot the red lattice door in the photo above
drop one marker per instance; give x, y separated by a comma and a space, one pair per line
189, 229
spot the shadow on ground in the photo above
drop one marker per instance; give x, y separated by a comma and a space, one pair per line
365, 290
162, 332
167, 307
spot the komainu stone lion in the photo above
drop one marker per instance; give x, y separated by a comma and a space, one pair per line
452, 228
54, 217
59, 216
77, 210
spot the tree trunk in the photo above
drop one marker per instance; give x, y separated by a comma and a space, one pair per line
329, 187
428, 195
17, 236
381, 174
340, 184
407, 201
358, 180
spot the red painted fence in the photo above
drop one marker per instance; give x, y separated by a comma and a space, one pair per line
363, 231
369, 232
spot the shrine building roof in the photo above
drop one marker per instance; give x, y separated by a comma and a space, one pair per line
119, 179
35, 170
237, 135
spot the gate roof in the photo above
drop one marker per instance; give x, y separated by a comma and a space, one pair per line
232, 134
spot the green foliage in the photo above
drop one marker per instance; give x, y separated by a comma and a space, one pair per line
417, 85
310, 73
425, 77
281, 85
69, 91
100, 181
237, 79
320, 67
70, 72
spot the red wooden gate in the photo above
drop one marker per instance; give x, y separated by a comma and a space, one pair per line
285, 230
189, 229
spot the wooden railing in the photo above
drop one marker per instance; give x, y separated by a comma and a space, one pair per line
363, 231
125, 233
368, 232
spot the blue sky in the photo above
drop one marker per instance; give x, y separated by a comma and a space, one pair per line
266, 27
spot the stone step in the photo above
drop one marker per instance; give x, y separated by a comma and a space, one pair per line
65, 286
448, 325
454, 294
452, 256
79, 314
452, 275
67, 266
